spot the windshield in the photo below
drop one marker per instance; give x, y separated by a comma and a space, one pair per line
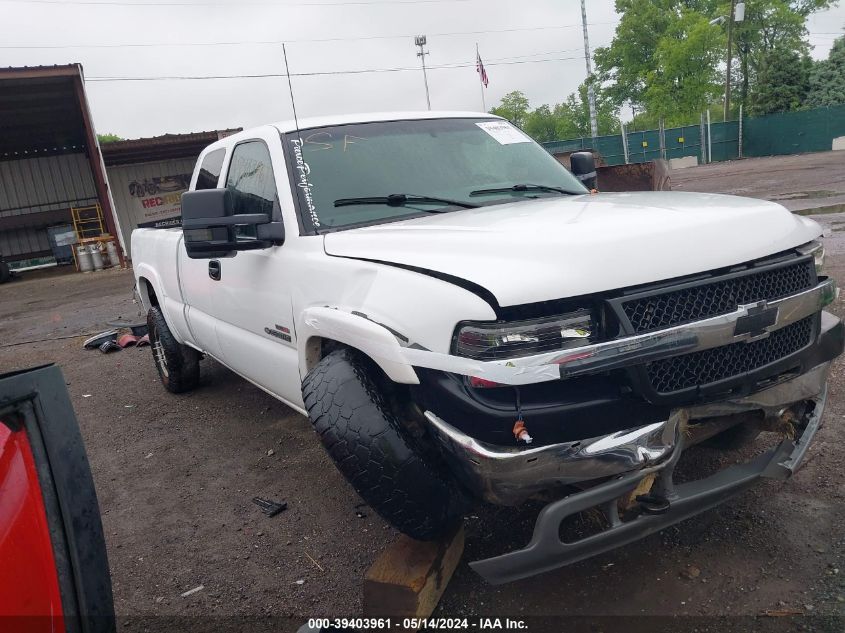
352, 175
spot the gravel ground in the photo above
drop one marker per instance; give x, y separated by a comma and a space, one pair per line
805, 183
176, 475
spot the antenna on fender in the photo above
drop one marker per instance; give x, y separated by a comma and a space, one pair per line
290, 88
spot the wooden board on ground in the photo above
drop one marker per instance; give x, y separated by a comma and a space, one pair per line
409, 577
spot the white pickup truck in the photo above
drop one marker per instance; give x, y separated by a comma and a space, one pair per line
463, 320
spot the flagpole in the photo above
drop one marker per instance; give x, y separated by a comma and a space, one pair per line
480, 82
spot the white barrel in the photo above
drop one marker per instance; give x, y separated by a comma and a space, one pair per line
83, 259
96, 257
111, 250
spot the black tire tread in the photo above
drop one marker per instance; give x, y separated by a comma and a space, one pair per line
364, 437
183, 362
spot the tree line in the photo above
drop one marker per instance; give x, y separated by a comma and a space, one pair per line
667, 60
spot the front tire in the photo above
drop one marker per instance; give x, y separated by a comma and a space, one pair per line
370, 447
178, 365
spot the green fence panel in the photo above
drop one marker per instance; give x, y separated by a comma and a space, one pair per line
611, 149
643, 146
683, 141
785, 133
793, 132
571, 145
724, 141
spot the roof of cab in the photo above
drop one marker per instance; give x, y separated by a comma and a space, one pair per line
343, 119
368, 117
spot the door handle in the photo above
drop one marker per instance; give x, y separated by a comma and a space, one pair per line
214, 270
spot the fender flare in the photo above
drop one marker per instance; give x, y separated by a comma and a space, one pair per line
357, 332
398, 362
151, 276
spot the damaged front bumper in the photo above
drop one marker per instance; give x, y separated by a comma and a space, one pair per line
509, 475
629, 460
547, 551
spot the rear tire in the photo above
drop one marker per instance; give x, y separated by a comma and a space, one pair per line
178, 365
370, 447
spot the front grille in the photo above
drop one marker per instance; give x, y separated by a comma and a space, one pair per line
701, 368
675, 307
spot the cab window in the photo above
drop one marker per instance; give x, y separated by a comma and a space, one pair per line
251, 180
210, 169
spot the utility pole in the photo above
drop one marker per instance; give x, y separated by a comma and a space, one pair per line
591, 95
730, 59
420, 41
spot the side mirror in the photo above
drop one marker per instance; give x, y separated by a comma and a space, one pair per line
212, 229
584, 168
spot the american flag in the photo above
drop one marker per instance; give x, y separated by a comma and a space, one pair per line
479, 66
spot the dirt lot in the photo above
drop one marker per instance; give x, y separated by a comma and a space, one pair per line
176, 474
805, 183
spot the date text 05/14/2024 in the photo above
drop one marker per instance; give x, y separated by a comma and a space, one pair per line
421, 624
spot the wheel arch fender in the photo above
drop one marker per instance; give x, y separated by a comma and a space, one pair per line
151, 290
318, 324
149, 280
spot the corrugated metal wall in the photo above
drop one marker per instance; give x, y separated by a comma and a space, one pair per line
15, 242
43, 184
35, 185
164, 182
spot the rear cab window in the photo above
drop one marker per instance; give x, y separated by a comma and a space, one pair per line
210, 169
252, 183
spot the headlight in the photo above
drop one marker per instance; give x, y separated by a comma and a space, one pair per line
816, 249
494, 341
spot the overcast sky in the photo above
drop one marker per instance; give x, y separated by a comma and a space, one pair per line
548, 30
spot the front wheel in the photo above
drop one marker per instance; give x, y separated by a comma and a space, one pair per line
178, 365
370, 447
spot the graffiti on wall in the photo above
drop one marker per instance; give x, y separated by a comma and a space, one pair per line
158, 200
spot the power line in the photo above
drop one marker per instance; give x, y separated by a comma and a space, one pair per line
292, 41
325, 73
205, 3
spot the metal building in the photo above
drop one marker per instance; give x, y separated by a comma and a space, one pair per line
148, 175
49, 159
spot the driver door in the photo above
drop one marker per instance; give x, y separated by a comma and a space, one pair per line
252, 293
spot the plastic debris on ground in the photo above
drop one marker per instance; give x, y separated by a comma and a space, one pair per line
110, 346
268, 507
98, 339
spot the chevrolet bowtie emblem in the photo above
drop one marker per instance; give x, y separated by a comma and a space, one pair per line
757, 322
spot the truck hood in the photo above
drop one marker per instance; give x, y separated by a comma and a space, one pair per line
552, 248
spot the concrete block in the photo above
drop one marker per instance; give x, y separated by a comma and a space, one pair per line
839, 143
683, 162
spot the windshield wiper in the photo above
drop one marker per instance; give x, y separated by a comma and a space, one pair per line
401, 199
524, 187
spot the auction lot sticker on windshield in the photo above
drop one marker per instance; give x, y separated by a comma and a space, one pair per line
503, 132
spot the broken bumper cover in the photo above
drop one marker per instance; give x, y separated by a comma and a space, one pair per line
546, 551
509, 475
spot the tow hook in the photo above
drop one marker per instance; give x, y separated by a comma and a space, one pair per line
653, 504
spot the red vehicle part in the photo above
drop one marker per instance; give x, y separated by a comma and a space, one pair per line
54, 574
29, 585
